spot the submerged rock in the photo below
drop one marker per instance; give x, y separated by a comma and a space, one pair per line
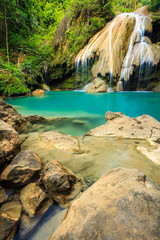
61, 183
123, 204
61, 141
34, 200
22, 169
9, 142
10, 214
38, 92
98, 85
120, 125
9, 115
34, 119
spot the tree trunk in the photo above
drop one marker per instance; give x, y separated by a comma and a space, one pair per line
5, 15
17, 3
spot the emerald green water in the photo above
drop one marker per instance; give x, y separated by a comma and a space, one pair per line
85, 111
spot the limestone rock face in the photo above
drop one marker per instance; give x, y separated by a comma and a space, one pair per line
3, 195
9, 115
120, 125
9, 142
34, 200
61, 183
61, 141
38, 92
98, 85
22, 169
10, 214
123, 204
142, 53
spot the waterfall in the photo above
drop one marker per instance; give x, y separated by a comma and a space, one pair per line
122, 49
45, 75
140, 55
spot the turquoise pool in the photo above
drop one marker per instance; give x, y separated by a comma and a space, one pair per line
85, 111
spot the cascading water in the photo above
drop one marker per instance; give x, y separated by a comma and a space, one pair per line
121, 48
46, 74
139, 57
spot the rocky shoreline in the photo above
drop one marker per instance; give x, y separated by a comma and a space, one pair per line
40, 180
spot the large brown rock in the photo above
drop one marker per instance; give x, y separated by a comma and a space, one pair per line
61, 141
22, 169
98, 85
120, 125
38, 92
123, 204
34, 200
9, 115
10, 214
61, 183
9, 142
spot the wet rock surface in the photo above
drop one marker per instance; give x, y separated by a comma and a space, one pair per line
22, 169
3, 195
9, 115
123, 204
61, 141
98, 85
10, 214
153, 154
34, 200
61, 183
2, 156
120, 125
9, 142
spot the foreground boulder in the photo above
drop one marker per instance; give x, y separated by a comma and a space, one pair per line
61, 141
121, 125
61, 183
9, 142
22, 169
38, 92
123, 204
10, 214
98, 85
9, 115
34, 200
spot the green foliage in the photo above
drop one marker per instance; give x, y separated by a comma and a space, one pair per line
128, 5
31, 27
86, 18
11, 81
154, 5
